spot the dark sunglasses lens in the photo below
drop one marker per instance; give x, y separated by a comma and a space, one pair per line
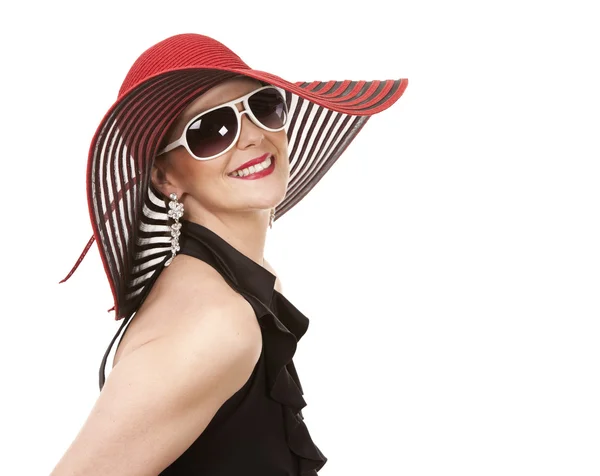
268, 106
212, 133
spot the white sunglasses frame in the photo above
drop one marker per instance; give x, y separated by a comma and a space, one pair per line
182, 141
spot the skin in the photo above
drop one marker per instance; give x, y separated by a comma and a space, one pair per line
161, 394
237, 210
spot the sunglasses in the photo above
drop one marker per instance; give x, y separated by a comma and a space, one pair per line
215, 131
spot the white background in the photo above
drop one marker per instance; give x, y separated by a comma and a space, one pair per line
449, 262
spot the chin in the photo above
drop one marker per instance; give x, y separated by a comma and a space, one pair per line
266, 202
267, 197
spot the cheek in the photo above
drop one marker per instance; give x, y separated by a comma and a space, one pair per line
279, 140
199, 174
207, 174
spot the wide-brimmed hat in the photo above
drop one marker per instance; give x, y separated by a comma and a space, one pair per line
129, 216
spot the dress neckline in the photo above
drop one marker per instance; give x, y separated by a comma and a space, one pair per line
244, 271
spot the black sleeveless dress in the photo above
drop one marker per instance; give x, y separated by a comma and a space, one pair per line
260, 429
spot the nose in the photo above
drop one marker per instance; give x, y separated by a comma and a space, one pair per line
250, 133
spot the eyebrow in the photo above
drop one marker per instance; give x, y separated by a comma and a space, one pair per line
186, 118
189, 115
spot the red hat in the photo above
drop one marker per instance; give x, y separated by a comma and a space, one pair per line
128, 215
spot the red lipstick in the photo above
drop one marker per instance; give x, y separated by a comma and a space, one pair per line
258, 160
256, 175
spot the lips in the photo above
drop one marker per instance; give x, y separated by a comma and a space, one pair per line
256, 171
255, 161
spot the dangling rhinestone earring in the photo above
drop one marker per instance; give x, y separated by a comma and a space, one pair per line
175, 212
272, 218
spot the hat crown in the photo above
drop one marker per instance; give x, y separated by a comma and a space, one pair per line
184, 51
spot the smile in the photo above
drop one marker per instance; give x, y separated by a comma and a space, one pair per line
262, 169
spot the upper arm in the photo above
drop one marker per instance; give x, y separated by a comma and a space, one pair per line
159, 398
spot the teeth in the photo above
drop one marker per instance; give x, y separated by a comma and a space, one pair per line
252, 169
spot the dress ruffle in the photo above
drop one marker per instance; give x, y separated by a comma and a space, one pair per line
282, 329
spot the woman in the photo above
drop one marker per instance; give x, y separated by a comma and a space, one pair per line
187, 171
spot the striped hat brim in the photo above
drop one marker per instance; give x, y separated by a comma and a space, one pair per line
128, 215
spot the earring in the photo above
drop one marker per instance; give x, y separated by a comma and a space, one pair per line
272, 218
175, 212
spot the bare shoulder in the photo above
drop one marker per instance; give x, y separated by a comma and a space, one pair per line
187, 296
200, 342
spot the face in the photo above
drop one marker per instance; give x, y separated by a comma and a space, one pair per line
208, 186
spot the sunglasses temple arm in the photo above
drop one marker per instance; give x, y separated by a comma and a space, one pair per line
170, 147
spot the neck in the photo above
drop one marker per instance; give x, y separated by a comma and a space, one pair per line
245, 231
